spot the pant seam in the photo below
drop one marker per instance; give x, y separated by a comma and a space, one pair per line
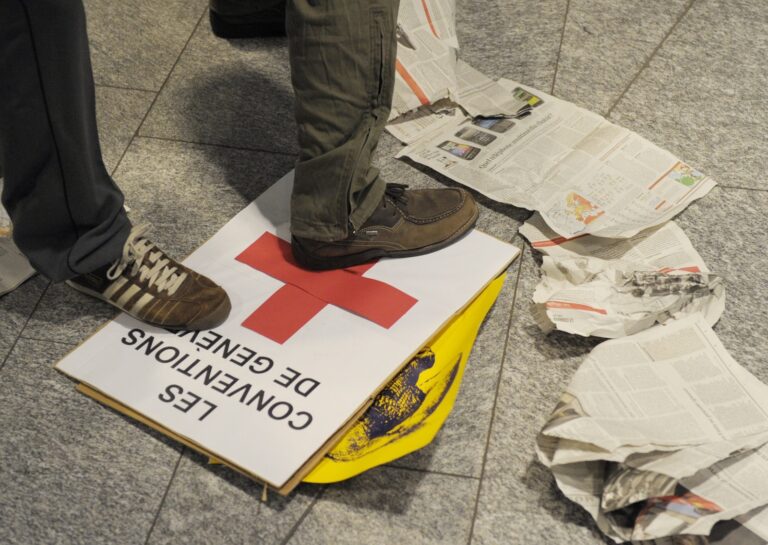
375, 88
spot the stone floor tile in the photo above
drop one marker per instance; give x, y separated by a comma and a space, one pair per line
213, 504
67, 316
72, 471
519, 40
703, 95
518, 496
726, 228
15, 309
235, 93
386, 505
187, 192
606, 43
119, 113
134, 43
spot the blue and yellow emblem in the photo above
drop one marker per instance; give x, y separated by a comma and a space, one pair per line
407, 414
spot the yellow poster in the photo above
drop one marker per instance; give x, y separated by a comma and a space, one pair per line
408, 413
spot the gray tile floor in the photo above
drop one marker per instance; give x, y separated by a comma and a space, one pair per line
192, 123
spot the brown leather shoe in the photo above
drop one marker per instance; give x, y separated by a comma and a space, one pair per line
406, 223
153, 288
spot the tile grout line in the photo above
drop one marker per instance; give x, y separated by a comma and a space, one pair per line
496, 395
560, 47
117, 165
431, 472
54, 341
26, 322
225, 146
165, 495
650, 57
121, 88
157, 93
740, 188
303, 516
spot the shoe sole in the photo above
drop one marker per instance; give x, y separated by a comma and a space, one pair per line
325, 264
254, 29
220, 309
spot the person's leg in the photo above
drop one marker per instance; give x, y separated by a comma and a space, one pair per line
342, 58
67, 213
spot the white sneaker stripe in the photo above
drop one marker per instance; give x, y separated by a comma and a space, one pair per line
126, 296
114, 287
142, 302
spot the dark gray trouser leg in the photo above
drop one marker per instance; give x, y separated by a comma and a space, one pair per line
67, 213
342, 57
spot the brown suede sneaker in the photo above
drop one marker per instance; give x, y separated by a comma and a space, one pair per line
406, 223
153, 288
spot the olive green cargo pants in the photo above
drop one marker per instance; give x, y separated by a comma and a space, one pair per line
342, 55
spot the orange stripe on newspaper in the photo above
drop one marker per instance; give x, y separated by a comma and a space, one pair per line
574, 306
662, 203
691, 269
429, 18
654, 184
557, 241
695, 187
418, 91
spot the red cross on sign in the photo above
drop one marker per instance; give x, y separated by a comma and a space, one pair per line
306, 292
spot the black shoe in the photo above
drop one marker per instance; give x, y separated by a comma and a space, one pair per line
262, 24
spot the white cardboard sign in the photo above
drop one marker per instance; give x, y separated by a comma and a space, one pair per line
258, 404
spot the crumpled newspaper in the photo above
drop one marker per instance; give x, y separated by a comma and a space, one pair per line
616, 287
590, 296
662, 434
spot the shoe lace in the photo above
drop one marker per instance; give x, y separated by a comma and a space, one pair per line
153, 267
396, 192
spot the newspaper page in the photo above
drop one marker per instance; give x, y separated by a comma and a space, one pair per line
672, 385
427, 52
617, 287
412, 126
756, 521
724, 491
14, 267
481, 96
584, 174
688, 461
665, 434
664, 247
478, 95
5, 220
